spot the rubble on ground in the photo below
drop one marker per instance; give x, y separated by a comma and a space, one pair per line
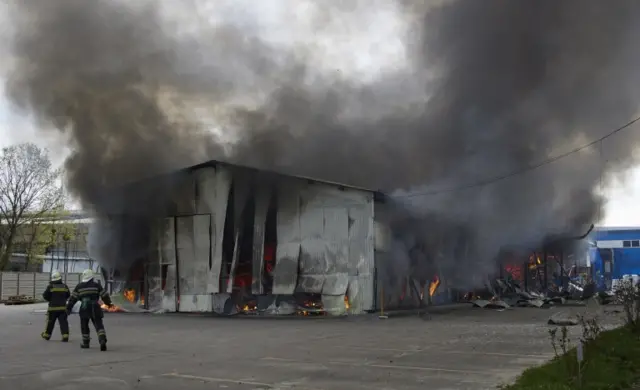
506, 294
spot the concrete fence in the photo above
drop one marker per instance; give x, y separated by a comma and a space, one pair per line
31, 284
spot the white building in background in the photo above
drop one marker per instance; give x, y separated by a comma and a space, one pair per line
66, 256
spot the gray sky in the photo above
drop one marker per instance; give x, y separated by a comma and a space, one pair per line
357, 44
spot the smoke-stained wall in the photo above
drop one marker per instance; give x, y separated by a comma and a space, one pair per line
325, 239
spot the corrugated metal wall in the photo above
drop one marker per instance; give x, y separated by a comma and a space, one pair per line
326, 245
325, 240
285, 275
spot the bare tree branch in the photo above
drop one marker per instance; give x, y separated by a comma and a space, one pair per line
30, 192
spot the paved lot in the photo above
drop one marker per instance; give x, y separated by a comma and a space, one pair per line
464, 349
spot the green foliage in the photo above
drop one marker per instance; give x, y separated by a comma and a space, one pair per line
611, 361
47, 232
30, 193
628, 294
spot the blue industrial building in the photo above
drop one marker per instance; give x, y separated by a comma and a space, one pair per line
614, 252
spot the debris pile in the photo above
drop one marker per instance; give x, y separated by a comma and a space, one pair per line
19, 300
507, 293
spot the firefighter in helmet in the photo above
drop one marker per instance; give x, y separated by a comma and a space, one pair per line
88, 292
56, 294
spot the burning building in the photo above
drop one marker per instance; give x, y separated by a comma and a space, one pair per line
462, 125
231, 239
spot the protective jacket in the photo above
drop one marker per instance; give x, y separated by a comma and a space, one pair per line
57, 294
89, 295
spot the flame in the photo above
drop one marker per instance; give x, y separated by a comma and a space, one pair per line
346, 302
310, 307
433, 286
248, 308
129, 295
112, 309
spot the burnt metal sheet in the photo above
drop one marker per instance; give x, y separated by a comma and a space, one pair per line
263, 198
202, 251
362, 255
206, 190
193, 263
167, 258
185, 260
336, 233
169, 296
185, 196
241, 191
313, 263
481, 303
219, 213
334, 304
288, 250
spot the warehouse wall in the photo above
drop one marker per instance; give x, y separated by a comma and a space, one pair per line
324, 233
325, 244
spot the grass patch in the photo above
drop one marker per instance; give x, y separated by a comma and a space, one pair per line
611, 361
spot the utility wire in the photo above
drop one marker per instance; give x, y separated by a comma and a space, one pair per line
520, 171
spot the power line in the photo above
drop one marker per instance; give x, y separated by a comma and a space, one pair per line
520, 171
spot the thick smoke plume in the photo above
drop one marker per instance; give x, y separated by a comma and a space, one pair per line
488, 87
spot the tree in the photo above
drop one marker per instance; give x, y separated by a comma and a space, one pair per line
37, 236
30, 194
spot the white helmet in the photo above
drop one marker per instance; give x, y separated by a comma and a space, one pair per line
55, 276
87, 275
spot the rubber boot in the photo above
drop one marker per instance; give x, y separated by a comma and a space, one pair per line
103, 342
85, 342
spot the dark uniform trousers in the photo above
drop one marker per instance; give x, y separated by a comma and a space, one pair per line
56, 294
89, 293
61, 317
86, 331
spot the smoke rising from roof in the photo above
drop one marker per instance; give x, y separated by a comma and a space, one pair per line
485, 88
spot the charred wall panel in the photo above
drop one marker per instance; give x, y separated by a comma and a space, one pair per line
288, 250
185, 195
218, 201
185, 249
357, 257
241, 192
263, 198
193, 262
202, 252
313, 262
167, 256
336, 235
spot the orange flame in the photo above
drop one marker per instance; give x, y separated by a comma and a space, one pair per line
129, 295
346, 302
433, 286
112, 309
250, 307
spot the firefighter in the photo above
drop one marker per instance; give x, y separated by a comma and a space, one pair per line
88, 292
56, 294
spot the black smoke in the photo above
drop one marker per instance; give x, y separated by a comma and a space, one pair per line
492, 86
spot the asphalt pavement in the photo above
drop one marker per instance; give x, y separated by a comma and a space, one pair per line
462, 349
